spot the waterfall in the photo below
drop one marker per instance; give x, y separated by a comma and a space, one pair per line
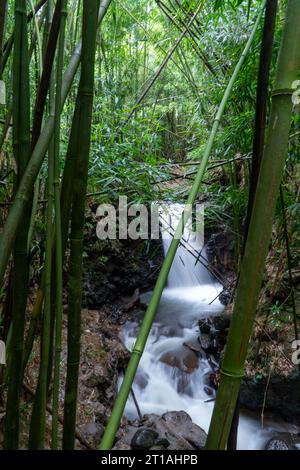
168, 377
189, 266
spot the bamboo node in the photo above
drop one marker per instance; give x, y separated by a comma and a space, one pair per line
233, 375
283, 91
137, 351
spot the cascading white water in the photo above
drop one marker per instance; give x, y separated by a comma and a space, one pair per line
167, 379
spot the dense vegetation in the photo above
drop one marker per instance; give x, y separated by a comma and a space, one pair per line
124, 105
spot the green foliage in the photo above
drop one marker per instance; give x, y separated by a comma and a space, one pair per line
168, 129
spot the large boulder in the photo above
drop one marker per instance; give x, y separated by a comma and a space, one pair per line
144, 438
173, 430
280, 396
284, 441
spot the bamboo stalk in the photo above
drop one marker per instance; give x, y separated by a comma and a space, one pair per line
3, 10
85, 98
117, 412
14, 218
38, 418
7, 122
258, 144
21, 144
58, 235
60, 419
10, 42
289, 262
261, 102
249, 284
46, 75
65, 200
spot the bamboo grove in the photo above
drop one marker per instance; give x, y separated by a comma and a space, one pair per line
42, 138
63, 80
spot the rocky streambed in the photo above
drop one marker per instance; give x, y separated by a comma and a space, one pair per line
275, 396
116, 275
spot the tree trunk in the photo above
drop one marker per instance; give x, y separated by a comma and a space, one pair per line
252, 270
85, 96
58, 285
258, 143
261, 103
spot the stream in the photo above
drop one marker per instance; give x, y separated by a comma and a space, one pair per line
168, 377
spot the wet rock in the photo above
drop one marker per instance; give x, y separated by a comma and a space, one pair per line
173, 431
185, 360
194, 346
168, 331
209, 391
141, 379
182, 381
221, 323
220, 251
163, 443
180, 431
204, 327
144, 438
92, 433
212, 379
282, 397
284, 441
213, 335
225, 297
125, 435
205, 341
130, 303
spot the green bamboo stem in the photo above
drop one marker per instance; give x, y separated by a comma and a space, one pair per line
258, 143
7, 122
35, 200
3, 11
14, 218
37, 41
289, 262
138, 349
58, 237
85, 94
66, 191
259, 235
38, 418
9, 43
262, 95
21, 144
46, 74
38, 36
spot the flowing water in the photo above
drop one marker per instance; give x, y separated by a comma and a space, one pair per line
168, 379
